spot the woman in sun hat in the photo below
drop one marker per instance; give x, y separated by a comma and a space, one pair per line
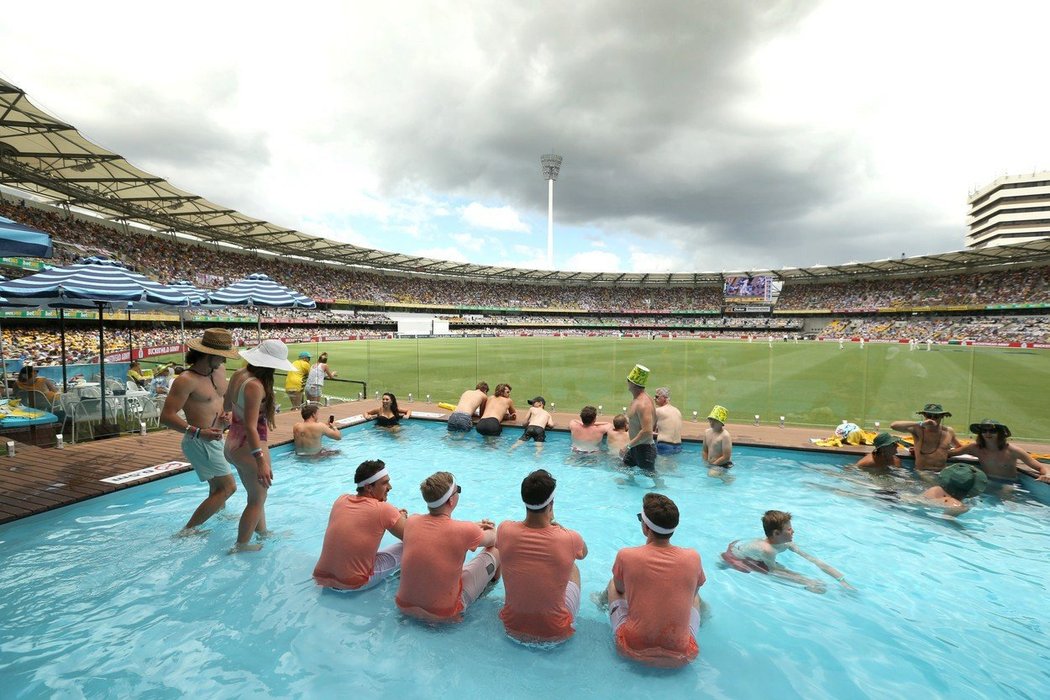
997, 457
250, 398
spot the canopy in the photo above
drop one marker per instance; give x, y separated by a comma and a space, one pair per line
260, 290
23, 241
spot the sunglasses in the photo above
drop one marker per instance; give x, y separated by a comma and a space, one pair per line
639, 517
989, 431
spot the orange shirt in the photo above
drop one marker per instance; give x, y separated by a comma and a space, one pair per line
432, 564
659, 583
536, 565
355, 528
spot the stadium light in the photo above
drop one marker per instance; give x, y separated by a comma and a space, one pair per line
551, 164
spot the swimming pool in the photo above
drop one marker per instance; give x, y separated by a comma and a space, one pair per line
98, 600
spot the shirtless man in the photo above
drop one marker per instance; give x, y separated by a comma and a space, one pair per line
616, 439
472, 400
997, 457
586, 433
640, 450
668, 424
718, 443
955, 483
536, 422
497, 409
198, 393
932, 440
307, 433
884, 456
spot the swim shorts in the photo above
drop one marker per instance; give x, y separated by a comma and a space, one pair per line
477, 574
489, 427
618, 616
668, 448
387, 563
745, 564
459, 422
536, 432
206, 457
643, 456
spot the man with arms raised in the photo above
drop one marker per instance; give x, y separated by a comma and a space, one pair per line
668, 424
198, 393
436, 586
308, 432
472, 400
654, 605
932, 439
498, 409
350, 557
641, 418
539, 571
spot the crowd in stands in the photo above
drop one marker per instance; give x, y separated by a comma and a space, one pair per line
978, 329
642, 321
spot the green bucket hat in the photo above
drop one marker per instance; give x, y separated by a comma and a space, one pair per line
962, 480
934, 409
884, 439
976, 428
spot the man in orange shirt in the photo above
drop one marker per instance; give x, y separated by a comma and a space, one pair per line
350, 556
435, 584
539, 571
654, 605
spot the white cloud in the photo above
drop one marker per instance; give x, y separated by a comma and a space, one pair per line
493, 218
594, 261
471, 243
643, 261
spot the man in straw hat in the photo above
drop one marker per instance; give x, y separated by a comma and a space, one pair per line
932, 439
198, 394
641, 419
997, 457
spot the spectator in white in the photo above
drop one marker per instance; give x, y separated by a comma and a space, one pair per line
315, 380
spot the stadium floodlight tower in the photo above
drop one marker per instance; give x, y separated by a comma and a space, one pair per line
551, 166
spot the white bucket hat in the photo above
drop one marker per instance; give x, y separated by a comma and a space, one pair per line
268, 353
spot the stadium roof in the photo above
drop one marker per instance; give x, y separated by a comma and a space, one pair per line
46, 157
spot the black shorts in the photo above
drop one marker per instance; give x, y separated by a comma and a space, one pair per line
642, 456
536, 432
489, 426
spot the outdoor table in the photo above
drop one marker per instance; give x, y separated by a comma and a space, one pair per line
31, 425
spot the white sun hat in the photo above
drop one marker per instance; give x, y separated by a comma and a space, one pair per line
268, 353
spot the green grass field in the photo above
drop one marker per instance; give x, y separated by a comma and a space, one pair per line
810, 383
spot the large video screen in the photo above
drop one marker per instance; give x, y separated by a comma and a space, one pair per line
757, 287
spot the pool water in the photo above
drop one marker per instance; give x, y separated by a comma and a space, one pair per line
99, 600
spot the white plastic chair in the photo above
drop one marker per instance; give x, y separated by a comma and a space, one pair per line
132, 386
86, 410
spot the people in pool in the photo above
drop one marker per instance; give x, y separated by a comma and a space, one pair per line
997, 457
350, 556
956, 483
668, 423
388, 415
436, 585
932, 438
538, 559
307, 433
471, 401
883, 456
654, 601
718, 443
760, 555
587, 432
617, 438
640, 450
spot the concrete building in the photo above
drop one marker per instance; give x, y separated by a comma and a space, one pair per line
1012, 209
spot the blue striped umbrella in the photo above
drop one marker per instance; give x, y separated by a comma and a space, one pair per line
260, 290
196, 296
26, 241
95, 281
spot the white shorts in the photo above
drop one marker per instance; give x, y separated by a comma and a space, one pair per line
618, 615
388, 562
477, 573
572, 599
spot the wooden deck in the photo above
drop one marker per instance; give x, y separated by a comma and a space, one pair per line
38, 479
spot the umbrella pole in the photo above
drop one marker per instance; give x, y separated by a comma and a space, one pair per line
131, 346
258, 326
62, 336
103, 426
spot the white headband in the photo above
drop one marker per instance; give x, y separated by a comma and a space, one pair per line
448, 494
372, 479
655, 528
541, 506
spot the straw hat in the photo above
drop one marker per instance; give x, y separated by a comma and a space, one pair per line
216, 341
268, 353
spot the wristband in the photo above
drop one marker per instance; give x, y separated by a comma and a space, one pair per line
256, 452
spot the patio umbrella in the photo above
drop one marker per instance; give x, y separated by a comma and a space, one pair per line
259, 290
98, 282
24, 241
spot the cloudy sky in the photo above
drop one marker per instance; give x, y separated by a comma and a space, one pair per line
698, 135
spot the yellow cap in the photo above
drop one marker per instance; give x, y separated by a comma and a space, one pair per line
639, 375
719, 413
